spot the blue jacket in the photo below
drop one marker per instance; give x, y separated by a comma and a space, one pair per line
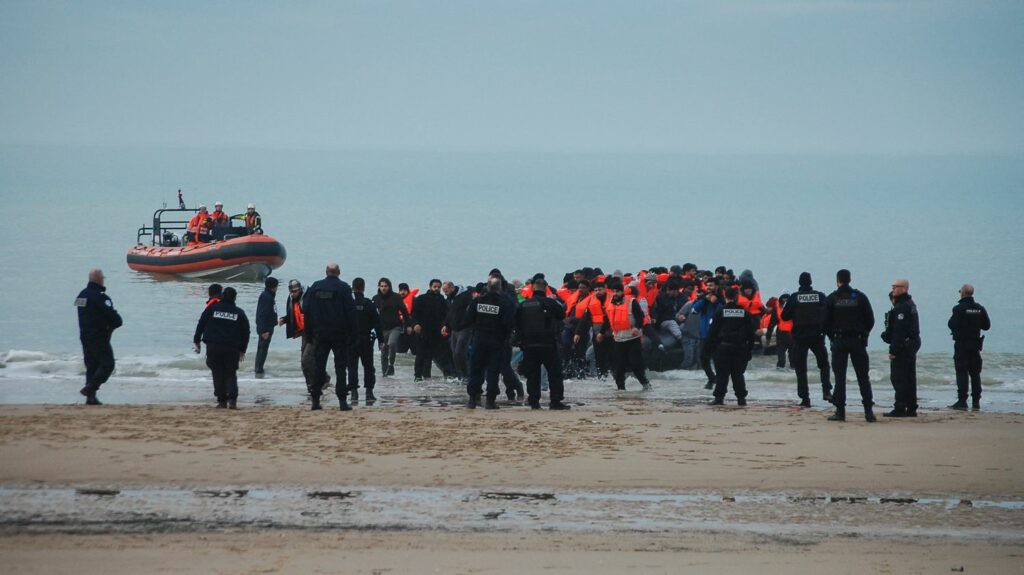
97, 318
707, 311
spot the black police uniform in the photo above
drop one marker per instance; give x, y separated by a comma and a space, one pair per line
330, 321
491, 317
97, 320
730, 342
903, 334
538, 321
966, 324
224, 328
368, 329
806, 309
848, 322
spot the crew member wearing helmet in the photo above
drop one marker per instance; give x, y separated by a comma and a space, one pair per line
253, 222
220, 219
196, 224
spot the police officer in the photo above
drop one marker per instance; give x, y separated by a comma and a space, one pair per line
368, 329
538, 321
848, 322
224, 328
97, 320
330, 323
730, 342
967, 322
903, 334
806, 308
491, 317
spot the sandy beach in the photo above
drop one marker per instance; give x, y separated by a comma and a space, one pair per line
744, 457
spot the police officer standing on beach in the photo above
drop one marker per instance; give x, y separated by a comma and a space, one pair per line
330, 322
903, 334
969, 319
491, 317
730, 343
847, 323
806, 308
97, 320
266, 321
538, 321
224, 328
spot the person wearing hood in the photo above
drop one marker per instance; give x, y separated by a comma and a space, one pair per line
969, 319
903, 334
806, 308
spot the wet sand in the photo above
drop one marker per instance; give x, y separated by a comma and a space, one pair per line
622, 447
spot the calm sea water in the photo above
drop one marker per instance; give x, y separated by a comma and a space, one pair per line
412, 216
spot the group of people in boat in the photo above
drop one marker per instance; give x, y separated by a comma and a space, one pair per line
201, 227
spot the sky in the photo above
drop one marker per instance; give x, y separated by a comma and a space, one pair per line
739, 77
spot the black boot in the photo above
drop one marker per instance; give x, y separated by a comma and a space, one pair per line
474, 401
869, 414
370, 397
491, 403
975, 404
222, 405
354, 395
741, 401
826, 396
343, 405
717, 401
805, 402
92, 400
316, 404
709, 385
559, 406
896, 412
839, 415
534, 405
960, 405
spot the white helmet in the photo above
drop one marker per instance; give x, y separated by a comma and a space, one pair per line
221, 204
251, 207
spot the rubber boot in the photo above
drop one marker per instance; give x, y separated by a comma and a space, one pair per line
839, 415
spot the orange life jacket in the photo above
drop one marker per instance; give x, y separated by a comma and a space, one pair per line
620, 316
408, 298
300, 321
784, 325
219, 218
596, 310
195, 224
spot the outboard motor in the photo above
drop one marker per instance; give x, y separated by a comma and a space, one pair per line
170, 239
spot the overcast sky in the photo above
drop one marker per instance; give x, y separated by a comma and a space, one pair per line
833, 77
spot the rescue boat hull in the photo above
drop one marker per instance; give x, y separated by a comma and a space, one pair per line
249, 258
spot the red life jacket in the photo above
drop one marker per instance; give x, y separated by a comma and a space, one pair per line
411, 296
300, 321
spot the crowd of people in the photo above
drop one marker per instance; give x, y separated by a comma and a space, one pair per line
591, 325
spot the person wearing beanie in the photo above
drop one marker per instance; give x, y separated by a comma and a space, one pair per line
266, 321
806, 309
224, 328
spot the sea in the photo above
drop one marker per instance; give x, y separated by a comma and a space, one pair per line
414, 215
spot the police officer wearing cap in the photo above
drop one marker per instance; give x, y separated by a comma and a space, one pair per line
806, 309
848, 322
730, 342
224, 328
367, 329
538, 321
97, 320
330, 323
969, 319
903, 334
491, 317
